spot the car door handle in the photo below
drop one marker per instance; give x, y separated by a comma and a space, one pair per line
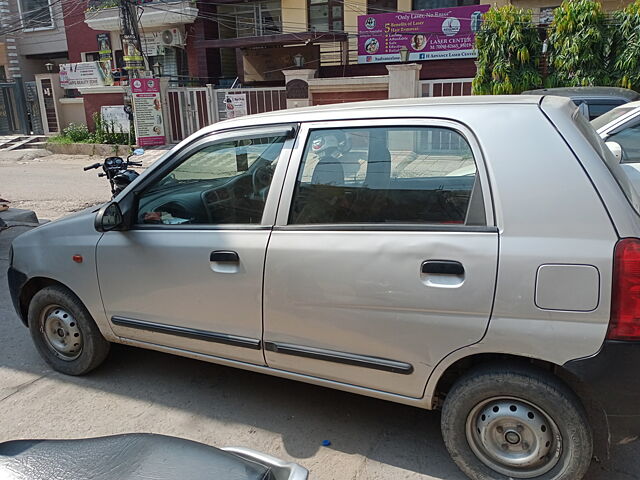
227, 256
443, 267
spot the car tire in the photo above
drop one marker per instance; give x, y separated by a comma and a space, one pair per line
64, 333
507, 423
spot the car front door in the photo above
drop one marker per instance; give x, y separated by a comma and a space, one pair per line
384, 255
188, 273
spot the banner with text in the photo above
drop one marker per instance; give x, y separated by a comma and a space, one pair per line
147, 112
235, 104
85, 74
439, 34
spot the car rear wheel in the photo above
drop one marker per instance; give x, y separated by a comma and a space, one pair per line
64, 332
516, 423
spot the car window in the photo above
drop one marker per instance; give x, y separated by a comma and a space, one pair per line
629, 139
384, 175
610, 116
599, 108
595, 108
224, 182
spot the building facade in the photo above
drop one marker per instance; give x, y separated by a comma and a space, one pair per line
231, 42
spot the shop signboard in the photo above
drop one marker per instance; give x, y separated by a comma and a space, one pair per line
147, 112
85, 74
438, 34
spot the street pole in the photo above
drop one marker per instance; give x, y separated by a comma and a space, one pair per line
134, 61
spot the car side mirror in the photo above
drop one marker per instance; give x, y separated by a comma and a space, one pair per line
109, 218
616, 149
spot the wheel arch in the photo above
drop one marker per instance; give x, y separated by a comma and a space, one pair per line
595, 413
30, 288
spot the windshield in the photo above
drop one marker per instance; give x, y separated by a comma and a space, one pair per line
610, 116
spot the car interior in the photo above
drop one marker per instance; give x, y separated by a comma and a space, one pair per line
233, 190
380, 196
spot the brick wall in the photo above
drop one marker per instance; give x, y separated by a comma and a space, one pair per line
80, 38
94, 101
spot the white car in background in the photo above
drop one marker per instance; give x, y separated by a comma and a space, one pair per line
620, 129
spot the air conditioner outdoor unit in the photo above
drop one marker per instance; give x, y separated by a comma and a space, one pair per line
171, 37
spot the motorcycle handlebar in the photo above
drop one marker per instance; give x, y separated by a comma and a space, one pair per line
135, 164
89, 167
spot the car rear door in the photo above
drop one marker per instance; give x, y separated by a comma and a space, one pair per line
384, 254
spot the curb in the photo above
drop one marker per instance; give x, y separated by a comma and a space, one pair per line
17, 215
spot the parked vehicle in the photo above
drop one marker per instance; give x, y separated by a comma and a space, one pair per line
622, 126
138, 457
479, 255
117, 171
592, 101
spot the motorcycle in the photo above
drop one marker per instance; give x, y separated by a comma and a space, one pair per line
117, 171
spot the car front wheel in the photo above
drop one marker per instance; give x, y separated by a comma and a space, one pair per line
64, 332
502, 423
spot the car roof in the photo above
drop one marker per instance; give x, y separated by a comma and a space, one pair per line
587, 92
630, 113
634, 104
405, 107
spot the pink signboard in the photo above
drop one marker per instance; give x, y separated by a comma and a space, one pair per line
438, 34
147, 109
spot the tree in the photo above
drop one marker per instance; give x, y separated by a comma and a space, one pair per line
508, 44
579, 45
626, 47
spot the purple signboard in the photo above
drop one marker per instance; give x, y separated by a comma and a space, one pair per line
439, 34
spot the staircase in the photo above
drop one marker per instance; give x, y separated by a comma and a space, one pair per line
19, 142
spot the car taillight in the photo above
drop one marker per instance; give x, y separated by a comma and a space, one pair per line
625, 298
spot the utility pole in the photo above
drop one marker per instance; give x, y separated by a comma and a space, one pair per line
134, 61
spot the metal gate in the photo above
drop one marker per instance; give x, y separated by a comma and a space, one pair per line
189, 111
192, 108
9, 122
33, 108
258, 100
450, 87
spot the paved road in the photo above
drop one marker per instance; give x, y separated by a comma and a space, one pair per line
54, 185
145, 391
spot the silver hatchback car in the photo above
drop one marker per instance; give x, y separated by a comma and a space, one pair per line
479, 255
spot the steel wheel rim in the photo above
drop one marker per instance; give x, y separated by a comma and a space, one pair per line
514, 437
61, 333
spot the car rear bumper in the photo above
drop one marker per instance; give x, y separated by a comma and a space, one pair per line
611, 377
16, 279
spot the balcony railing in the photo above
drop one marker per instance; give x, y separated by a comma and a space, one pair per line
104, 15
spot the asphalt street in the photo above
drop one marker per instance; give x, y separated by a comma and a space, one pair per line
146, 391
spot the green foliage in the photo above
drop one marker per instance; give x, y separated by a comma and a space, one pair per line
76, 133
625, 56
105, 132
508, 44
59, 139
579, 45
96, 5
